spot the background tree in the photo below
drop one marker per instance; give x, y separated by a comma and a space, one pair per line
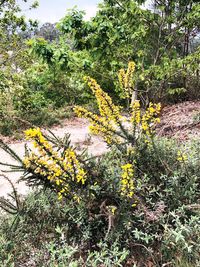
158, 40
11, 24
48, 31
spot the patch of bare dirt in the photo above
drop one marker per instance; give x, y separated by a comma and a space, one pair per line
69, 123
181, 121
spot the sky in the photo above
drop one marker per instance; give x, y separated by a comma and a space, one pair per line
53, 10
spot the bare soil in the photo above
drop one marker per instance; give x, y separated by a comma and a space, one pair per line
181, 121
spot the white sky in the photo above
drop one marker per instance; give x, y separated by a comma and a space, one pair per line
53, 10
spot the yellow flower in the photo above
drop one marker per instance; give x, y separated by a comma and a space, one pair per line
136, 113
106, 107
150, 119
61, 171
121, 76
31, 133
113, 209
99, 125
77, 198
126, 79
110, 123
181, 157
60, 196
127, 183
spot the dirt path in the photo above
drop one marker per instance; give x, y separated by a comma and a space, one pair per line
78, 129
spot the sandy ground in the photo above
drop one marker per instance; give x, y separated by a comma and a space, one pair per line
80, 137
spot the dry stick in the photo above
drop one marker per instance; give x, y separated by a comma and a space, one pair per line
184, 127
193, 207
111, 217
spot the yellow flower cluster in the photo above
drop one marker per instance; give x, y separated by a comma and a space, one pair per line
127, 183
145, 121
181, 157
106, 107
61, 171
122, 78
38, 139
136, 113
73, 167
110, 124
99, 125
126, 79
150, 118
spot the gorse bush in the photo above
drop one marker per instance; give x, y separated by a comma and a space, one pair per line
65, 171
136, 205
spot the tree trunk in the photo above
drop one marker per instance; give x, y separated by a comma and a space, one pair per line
134, 95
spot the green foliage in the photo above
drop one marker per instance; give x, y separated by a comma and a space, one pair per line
160, 37
22, 107
59, 72
164, 226
11, 23
37, 77
107, 255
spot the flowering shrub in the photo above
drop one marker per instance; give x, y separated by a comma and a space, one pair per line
66, 173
